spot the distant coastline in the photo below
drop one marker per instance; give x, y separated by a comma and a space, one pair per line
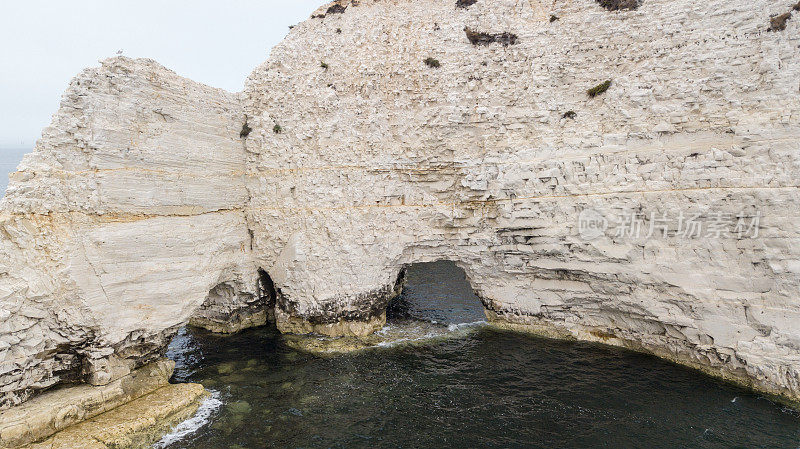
10, 157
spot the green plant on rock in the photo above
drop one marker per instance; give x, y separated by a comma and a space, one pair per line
246, 129
479, 38
599, 89
324, 65
277, 129
431, 62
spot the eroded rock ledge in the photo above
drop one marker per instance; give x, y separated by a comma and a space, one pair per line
134, 425
105, 422
146, 205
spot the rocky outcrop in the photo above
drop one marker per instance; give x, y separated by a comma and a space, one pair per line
384, 160
58, 410
119, 224
229, 308
623, 175
135, 425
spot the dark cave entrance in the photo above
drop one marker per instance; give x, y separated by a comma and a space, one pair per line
267, 293
438, 292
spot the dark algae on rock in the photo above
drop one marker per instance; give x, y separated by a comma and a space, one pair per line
480, 38
465, 3
620, 5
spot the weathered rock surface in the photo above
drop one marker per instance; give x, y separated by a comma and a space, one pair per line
55, 411
136, 425
384, 160
148, 202
119, 224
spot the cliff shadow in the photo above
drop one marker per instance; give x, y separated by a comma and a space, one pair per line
235, 305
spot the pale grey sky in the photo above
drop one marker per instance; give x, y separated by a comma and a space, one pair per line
44, 43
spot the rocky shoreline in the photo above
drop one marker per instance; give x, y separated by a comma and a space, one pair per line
135, 425
741, 378
131, 412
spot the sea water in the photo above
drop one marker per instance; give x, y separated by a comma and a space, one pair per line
442, 378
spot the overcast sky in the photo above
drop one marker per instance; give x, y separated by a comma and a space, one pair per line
43, 44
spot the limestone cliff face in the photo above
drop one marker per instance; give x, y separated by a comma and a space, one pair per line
384, 159
119, 224
147, 203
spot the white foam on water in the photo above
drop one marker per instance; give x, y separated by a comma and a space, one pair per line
385, 329
207, 408
399, 334
390, 343
455, 327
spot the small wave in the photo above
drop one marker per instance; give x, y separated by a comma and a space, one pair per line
398, 335
455, 327
203, 415
399, 341
791, 411
385, 330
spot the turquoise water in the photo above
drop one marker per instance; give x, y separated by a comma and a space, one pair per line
470, 387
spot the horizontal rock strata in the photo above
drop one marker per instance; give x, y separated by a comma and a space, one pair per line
383, 161
118, 226
152, 201
60, 409
136, 425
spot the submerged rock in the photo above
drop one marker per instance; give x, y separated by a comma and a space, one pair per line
239, 408
226, 368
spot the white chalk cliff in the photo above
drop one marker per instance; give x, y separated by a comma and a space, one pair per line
152, 200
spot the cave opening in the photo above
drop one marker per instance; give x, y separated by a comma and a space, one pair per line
234, 305
438, 292
242, 316
267, 293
